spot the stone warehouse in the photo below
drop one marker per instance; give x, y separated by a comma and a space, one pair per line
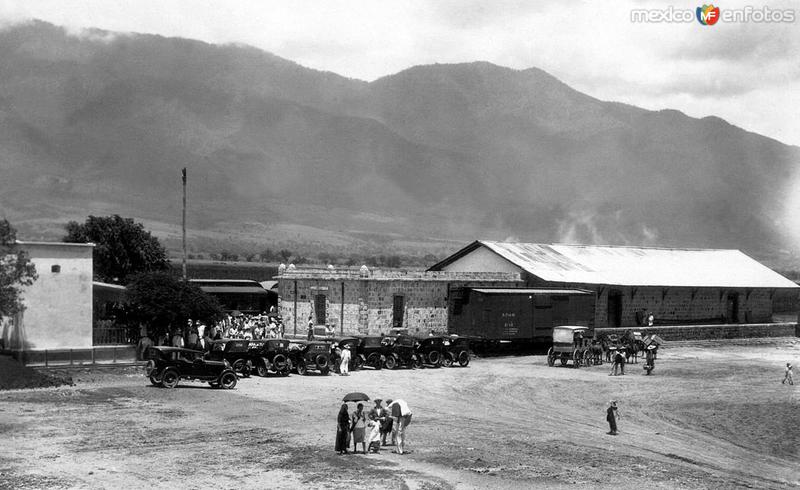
678, 286
371, 302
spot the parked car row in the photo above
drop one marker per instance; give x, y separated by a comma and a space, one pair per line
232, 359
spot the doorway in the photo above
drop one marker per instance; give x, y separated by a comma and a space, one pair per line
614, 308
732, 308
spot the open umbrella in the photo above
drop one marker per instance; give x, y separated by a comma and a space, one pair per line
355, 397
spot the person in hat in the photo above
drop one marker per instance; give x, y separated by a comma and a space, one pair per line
650, 359
358, 426
387, 425
374, 428
788, 375
344, 367
402, 415
611, 417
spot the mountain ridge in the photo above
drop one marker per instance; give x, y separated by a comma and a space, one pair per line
104, 123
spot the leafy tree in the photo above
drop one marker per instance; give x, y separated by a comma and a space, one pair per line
122, 247
166, 302
285, 255
16, 270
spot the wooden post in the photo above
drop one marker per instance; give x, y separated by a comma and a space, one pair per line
183, 222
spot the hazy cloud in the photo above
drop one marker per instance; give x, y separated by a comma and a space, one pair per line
740, 72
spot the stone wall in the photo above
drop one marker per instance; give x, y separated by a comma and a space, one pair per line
678, 305
366, 308
713, 332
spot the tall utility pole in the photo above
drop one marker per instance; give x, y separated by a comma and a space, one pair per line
183, 223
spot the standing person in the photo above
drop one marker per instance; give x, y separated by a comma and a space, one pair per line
387, 424
342, 429
650, 319
344, 367
614, 365
619, 362
358, 425
650, 359
310, 327
611, 417
373, 432
402, 414
788, 375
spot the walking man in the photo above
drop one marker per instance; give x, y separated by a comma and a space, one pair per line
611, 417
344, 367
788, 375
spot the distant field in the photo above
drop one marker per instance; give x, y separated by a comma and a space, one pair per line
201, 269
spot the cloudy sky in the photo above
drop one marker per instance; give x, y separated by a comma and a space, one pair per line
747, 73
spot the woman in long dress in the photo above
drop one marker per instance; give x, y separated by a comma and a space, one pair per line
342, 429
358, 425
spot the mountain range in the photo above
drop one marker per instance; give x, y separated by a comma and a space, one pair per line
423, 160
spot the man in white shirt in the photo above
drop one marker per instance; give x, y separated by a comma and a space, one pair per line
344, 367
402, 414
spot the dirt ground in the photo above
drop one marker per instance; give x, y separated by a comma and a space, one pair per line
712, 416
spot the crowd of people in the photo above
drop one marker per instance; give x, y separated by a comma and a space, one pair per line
381, 426
200, 336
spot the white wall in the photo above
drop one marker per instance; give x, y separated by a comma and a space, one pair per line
58, 306
482, 260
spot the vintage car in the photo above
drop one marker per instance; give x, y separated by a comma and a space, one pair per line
236, 352
458, 351
337, 344
168, 365
571, 343
373, 351
270, 355
432, 351
310, 355
401, 351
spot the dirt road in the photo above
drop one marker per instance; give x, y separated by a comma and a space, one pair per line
711, 416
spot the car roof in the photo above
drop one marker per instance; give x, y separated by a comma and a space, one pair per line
166, 348
572, 327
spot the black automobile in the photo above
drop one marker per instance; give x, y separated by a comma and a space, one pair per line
402, 351
270, 355
310, 355
168, 365
236, 352
337, 345
458, 351
373, 351
433, 351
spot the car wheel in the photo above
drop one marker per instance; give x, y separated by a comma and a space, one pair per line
463, 358
551, 357
302, 370
170, 378
322, 362
240, 366
358, 363
155, 380
447, 359
262, 370
228, 380
434, 357
391, 362
374, 360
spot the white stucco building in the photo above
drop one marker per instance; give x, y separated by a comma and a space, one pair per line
58, 305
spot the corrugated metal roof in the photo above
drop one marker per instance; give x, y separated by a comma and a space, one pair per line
234, 289
530, 291
640, 266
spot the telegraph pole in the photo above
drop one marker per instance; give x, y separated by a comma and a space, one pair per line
183, 224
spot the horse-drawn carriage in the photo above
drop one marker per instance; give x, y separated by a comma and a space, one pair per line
571, 343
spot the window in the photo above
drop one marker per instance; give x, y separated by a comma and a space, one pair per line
398, 304
55, 269
320, 305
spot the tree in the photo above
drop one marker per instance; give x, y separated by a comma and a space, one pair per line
122, 247
16, 270
165, 302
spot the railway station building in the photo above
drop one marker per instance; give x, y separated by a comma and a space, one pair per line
678, 286
372, 302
